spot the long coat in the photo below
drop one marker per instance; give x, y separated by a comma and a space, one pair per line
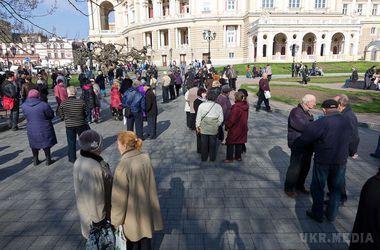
115, 98
237, 123
150, 103
134, 202
39, 127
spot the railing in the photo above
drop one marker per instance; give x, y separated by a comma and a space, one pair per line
305, 22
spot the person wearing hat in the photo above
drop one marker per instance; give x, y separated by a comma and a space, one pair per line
165, 87
39, 126
101, 81
151, 111
365, 233
330, 136
92, 182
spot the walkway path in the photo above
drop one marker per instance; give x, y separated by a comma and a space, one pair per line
204, 205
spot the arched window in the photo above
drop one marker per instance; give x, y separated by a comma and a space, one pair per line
264, 50
107, 15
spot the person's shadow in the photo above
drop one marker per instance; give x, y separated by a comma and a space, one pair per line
221, 241
278, 157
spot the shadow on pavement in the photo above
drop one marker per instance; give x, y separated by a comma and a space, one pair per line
8, 157
11, 170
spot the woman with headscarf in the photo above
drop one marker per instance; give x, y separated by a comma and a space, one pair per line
135, 203
39, 126
92, 182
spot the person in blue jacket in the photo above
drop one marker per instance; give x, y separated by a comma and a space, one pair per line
330, 137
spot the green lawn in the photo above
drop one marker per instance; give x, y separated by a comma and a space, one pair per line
328, 67
314, 79
362, 102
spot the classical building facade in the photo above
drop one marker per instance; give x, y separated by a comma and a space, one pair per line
246, 30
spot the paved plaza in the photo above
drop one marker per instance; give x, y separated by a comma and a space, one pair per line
204, 205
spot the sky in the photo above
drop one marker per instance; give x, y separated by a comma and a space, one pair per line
67, 21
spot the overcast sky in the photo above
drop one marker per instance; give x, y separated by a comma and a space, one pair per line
67, 21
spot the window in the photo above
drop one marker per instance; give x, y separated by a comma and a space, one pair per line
231, 55
62, 45
360, 9
231, 5
294, 3
344, 10
373, 30
231, 35
320, 4
133, 16
62, 55
49, 55
374, 10
55, 55
206, 6
267, 4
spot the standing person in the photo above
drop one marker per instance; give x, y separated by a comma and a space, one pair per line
314, 68
201, 98
208, 120
60, 94
134, 101
254, 71
178, 82
26, 87
89, 97
101, 81
224, 101
54, 76
115, 101
165, 87
11, 90
345, 109
73, 112
135, 203
237, 128
151, 111
153, 83
268, 70
111, 76
263, 86
92, 182
40, 130
248, 71
125, 85
366, 231
300, 160
61, 76
305, 74
330, 137
43, 89
232, 76
171, 86
191, 97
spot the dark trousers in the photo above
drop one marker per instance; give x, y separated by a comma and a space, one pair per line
232, 83
152, 126
88, 115
298, 170
71, 135
199, 144
143, 244
13, 118
46, 151
238, 148
136, 120
343, 191
192, 118
208, 147
322, 172
177, 89
165, 94
188, 119
171, 92
261, 100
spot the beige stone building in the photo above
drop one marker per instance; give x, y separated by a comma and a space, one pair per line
245, 30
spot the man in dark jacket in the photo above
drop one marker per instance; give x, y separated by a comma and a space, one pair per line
345, 109
263, 86
101, 81
89, 97
73, 112
300, 160
151, 111
10, 89
330, 137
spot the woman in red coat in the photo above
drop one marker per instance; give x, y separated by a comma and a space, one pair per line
237, 127
115, 103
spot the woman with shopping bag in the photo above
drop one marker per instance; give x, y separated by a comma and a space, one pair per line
264, 93
135, 205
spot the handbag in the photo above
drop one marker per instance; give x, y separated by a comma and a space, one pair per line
101, 236
120, 240
267, 94
8, 103
220, 133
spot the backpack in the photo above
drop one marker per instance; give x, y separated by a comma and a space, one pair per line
8, 103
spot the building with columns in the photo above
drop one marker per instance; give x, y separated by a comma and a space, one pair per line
246, 30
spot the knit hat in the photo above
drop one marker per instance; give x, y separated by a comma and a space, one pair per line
90, 140
33, 93
330, 104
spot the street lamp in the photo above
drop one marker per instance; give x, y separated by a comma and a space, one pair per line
294, 48
208, 37
90, 47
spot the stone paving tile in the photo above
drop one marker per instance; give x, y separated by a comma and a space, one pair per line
204, 205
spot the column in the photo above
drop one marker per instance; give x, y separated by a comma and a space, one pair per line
346, 49
189, 35
269, 42
172, 9
368, 8
260, 44
327, 51
177, 38
238, 36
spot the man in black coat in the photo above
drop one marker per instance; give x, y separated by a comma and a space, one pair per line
366, 231
11, 89
345, 109
330, 137
151, 111
300, 160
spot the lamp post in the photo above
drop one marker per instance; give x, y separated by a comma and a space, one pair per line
208, 36
294, 48
90, 47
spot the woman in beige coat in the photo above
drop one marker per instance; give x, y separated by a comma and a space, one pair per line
134, 201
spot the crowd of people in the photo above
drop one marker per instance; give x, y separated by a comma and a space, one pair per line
127, 200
